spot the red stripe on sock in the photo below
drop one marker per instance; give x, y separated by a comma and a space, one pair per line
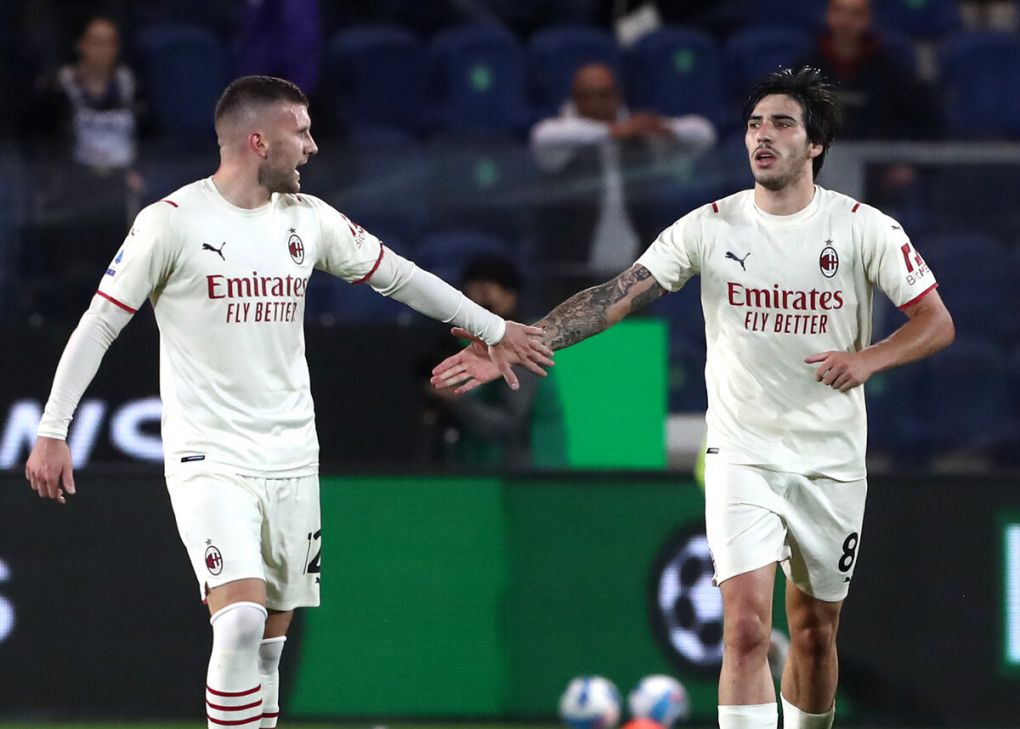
214, 692
233, 708
238, 722
271, 715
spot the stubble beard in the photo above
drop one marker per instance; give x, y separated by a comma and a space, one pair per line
281, 181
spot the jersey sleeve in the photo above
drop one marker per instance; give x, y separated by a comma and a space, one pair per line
675, 256
346, 249
144, 261
893, 264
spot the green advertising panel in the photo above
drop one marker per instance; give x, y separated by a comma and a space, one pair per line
613, 388
413, 583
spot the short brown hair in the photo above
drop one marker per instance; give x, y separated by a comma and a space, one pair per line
256, 90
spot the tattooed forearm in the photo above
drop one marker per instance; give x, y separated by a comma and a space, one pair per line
596, 309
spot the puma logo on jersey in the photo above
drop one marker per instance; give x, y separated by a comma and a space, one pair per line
733, 257
217, 251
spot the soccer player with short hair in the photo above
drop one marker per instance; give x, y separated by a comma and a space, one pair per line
225, 263
787, 274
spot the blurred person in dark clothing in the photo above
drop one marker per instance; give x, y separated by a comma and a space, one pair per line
517, 428
83, 123
882, 96
281, 38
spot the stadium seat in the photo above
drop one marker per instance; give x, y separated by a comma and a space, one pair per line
677, 71
942, 244
484, 183
478, 76
555, 54
925, 19
183, 71
379, 73
969, 397
896, 401
756, 51
980, 74
806, 15
446, 253
981, 291
379, 179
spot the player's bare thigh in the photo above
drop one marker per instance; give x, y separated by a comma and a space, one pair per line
250, 590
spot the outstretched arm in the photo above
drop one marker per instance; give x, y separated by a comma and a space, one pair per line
583, 315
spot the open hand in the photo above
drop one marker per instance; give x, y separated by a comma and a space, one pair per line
478, 363
49, 469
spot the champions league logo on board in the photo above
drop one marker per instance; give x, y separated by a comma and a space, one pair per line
296, 247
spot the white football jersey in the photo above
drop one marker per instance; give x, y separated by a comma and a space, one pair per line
228, 287
776, 289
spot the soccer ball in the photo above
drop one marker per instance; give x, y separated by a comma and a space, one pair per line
590, 702
662, 699
689, 605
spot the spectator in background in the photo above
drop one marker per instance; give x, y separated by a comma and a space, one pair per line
882, 96
281, 38
489, 427
593, 153
84, 121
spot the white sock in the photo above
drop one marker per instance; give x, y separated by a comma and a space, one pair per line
749, 716
232, 689
794, 718
270, 651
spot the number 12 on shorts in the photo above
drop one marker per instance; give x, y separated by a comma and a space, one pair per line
849, 552
312, 565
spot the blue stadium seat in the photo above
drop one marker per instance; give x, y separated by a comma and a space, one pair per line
183, 71
980, 74
483, 183
686, 327
383, 181
897, 415
806, 15
380, 75
753, 53
446, 253
555, 54
677, 71
944, 243
969, 397
981, 291
479, 79
927, 19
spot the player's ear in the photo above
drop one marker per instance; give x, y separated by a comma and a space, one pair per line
257, 144
814, 150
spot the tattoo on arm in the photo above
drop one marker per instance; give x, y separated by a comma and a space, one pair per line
596, 309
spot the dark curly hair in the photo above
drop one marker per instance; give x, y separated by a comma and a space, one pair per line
823, 111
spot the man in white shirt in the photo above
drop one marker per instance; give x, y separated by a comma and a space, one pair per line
225, 263
788, 271
588, 151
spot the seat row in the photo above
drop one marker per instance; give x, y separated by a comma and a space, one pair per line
482, 78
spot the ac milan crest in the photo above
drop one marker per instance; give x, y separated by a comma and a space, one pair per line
296, 247
828, 261
213, 560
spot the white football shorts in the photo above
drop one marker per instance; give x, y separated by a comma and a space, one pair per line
811, 526
237, 527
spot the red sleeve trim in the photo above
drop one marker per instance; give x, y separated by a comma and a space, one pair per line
715, 207
854, 208
112, 300
169, 202
374, 268
920, 296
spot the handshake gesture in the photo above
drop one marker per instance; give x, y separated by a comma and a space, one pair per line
479, 363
